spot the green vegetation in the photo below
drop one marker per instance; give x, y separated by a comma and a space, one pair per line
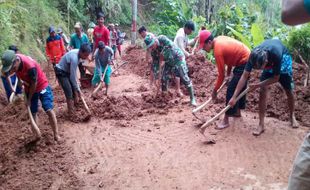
299, 40
25, 23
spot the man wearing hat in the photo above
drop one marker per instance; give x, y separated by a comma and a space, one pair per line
274, 59
120, 39
113, 38
64, 38
103, 58
66, 74
154, 63
101, 33
174, 62
55, 48
234, 54
10, 80
90, 33
77, 40
35, 84
79, 37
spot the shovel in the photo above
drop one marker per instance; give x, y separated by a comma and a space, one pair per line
206, 124
85, 105
100, 84
208, 101
119, 67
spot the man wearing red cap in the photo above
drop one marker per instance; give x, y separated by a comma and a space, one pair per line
232, 53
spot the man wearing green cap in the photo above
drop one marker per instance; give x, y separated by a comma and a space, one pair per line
9, 81
35, 84
154, 63
174, 62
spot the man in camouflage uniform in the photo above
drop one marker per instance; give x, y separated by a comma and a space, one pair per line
174, 62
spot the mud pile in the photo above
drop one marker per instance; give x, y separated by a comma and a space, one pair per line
26, 164
122, 107
135, 56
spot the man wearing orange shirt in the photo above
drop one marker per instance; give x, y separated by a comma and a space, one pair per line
55, 48
232, 53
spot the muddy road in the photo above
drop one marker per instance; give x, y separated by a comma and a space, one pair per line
138, 141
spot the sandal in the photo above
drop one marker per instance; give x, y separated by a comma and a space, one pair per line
258, 131
221, 126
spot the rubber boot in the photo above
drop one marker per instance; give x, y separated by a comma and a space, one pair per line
192, 96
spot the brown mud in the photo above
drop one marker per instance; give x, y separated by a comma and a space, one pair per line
136, 139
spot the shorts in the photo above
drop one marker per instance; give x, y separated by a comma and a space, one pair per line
46, 98
107, 76
286, 73
232, 85
65, 83
300, 176
286, 80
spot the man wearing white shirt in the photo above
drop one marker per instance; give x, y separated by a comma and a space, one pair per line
181, 41
181, 38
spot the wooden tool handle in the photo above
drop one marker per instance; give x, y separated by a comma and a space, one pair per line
209, 100
119, 67
100, 83
206, 124
14, 88
85, 105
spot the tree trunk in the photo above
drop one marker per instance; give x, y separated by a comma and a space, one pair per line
208, 10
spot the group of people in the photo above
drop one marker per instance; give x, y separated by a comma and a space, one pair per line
22, 73
168, 59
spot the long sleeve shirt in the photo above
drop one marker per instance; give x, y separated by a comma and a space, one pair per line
69, 64
55, 48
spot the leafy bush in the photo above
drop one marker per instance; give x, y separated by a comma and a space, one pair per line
299, 39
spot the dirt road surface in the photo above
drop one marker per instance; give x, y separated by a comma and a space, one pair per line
137, 141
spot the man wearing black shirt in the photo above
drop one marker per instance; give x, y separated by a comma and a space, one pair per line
274, 59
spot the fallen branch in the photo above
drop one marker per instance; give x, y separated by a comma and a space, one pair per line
306, 81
